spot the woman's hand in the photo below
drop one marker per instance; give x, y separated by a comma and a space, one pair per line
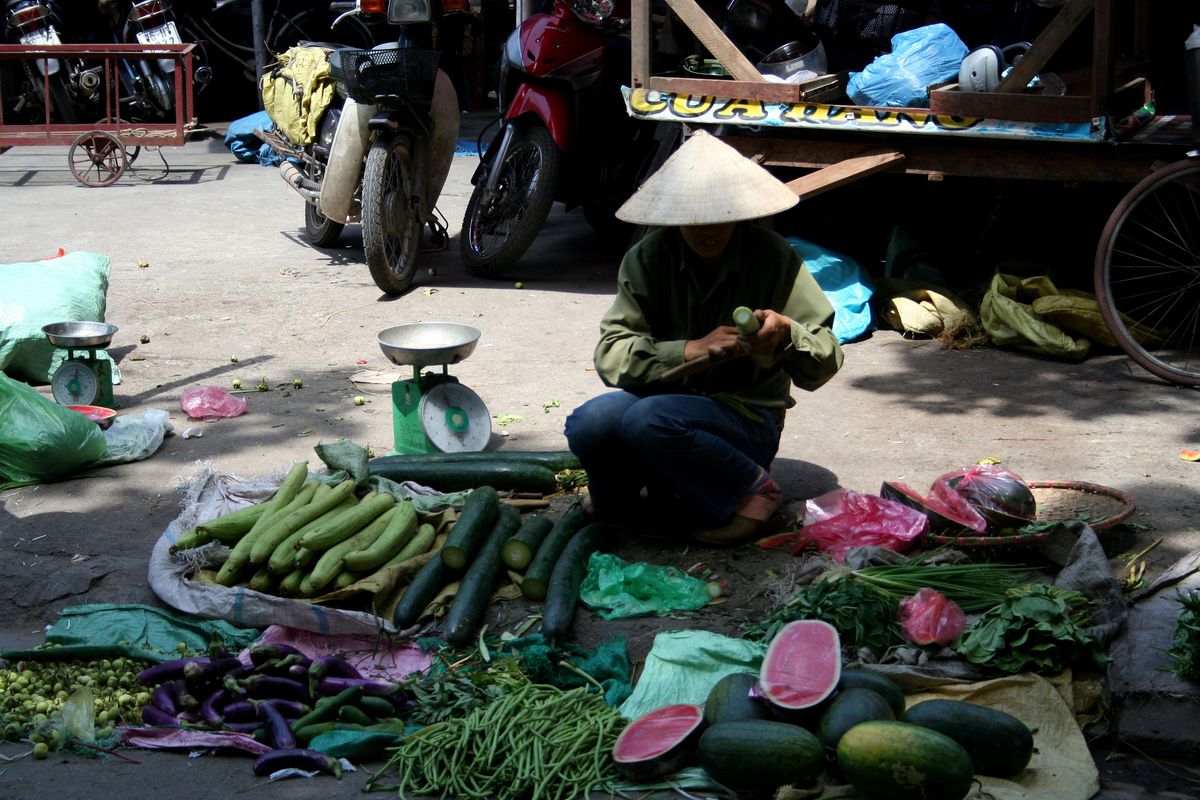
719, 345
774, 332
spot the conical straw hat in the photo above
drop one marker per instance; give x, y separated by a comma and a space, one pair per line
706, 182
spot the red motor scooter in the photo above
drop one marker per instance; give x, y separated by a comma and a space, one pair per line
566, 134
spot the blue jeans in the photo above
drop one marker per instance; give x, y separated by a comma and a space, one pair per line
700, 450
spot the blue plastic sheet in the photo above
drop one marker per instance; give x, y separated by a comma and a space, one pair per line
919, 57
248, 148
845, 283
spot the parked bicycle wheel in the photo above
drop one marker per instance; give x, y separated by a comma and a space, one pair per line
314, 26
1147, 273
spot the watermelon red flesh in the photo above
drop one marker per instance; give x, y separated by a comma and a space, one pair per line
659, 742
949, 512
802, 665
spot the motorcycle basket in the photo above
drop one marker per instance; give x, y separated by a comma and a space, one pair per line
406, 72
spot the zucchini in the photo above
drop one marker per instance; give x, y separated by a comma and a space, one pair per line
472, 527
348, 523
399, 531
227, 528
239, 556
475, 588
553, 460
330, 563
537, 575
419, 545
562, 594
421, 590
454, 477
519, 550
283, 559
326, 498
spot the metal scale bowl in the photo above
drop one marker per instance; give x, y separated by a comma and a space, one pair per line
433, 412
84, 379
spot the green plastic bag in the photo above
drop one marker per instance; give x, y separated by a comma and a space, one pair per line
615, 589
40, 440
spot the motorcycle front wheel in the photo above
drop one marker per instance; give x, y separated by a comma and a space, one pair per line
391, 228
499, 226
319, 229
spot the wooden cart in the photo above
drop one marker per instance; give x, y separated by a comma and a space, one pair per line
100, 151
1149, 291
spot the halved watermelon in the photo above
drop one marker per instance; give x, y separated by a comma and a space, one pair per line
659, 742
801, 667
1000, 495
946, 509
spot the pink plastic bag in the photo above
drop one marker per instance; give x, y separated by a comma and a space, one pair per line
211, 402
929, 617
1000, 495
845, 519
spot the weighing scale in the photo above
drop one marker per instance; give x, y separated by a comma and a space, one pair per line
432, 412
85, 378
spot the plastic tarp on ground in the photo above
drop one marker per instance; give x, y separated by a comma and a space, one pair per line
844, 282
70, 288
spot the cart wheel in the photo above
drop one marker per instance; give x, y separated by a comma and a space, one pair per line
1147, 275
97, 159
131, 153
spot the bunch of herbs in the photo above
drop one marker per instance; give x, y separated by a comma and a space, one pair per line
862, 615
1185, 646
1036, 628
458, 682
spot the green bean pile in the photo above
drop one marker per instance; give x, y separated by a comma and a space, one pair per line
535, 742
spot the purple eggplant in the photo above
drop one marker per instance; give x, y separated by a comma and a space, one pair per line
168, 670
298, 672
240, 711
157, 717
332, 667
248, 727
279, 735
290, 709
269, 687
262, 653
166, 697
297, 758
377, 688
212, 707
197, 676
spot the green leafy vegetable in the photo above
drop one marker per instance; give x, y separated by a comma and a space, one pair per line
862, 615
1036, 628
1185, 647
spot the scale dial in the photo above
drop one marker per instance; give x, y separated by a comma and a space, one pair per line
455, 419
74, 384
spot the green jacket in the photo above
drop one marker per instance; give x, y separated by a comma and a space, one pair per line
661, 304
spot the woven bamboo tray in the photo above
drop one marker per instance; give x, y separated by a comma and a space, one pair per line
1101, 507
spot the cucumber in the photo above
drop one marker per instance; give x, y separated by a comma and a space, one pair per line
330, 563
348, 523
562, 593
472, 527
999, 744
475, 587
554, 460
454, 477
283, 559
239, 556
537, 575
421, 590
324, 499
418, 546
519, 550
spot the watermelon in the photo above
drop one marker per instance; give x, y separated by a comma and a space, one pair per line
879, 684
999, 744
760, 755
848, 709
948, 511
897, 761
733, 698
1000, 495
801, 667
659, 742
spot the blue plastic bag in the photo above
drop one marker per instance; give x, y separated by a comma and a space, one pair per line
845, 283
919, 57
248, 148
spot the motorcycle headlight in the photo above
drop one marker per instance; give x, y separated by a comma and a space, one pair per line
593, 11
147, 10
401, 12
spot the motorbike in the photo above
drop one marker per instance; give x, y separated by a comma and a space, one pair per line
382, 150
38, 22
565, 137
148, 84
